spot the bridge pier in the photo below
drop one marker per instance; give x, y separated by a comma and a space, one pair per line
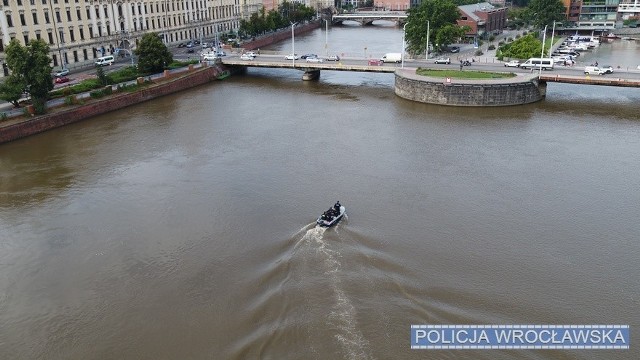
311, 75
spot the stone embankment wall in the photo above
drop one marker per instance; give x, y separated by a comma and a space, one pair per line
468, 93
168, 85
281, 35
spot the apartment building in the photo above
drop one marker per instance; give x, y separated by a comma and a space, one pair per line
78, 31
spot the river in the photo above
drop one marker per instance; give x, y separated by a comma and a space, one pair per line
183, 227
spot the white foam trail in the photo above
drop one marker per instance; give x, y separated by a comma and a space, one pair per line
343, 315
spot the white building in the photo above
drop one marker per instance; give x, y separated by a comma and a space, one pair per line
78, 31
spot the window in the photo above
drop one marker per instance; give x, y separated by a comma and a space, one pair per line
79, 14
38, 36
88, 14
23, 21
19, 2
84, 54
9, 21
75, 56
72, 35
61, 33
46, 17
50, 37
81, 33
58, 16
90, 33
26, 39
68, 15
35, 18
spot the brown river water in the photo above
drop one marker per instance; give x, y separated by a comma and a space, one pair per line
184, 227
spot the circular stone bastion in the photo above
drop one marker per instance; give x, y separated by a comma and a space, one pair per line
518, 90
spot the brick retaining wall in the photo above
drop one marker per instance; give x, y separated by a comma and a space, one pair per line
97, 107
279, 36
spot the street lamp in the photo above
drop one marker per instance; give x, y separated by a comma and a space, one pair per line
293, 45
404, 29
544, 35
326, 37
553, 32
426, 51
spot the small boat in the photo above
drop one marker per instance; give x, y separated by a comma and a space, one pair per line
331, 216
223, 75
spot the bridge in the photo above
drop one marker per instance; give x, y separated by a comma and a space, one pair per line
312, 70
367, 18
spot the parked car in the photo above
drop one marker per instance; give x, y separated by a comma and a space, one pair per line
308, 56
314, 59
62, 80
221, 53
63, 72
190, 44
442, 60
454, 49
333, 58
375, 62
181, 45
252, 54
292, 57
191, 49
608, 69
512, 63
246, 57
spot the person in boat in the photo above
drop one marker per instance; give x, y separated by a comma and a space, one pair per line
337, 206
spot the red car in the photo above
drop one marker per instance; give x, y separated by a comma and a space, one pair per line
62, 79
375, 62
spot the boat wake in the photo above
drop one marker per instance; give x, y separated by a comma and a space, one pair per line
343, 313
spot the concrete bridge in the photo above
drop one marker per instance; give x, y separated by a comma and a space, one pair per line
312, 70
367, 18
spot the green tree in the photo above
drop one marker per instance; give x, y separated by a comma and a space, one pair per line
153, 55
12, 89
31, 67
526, 47
441, 17
545, 12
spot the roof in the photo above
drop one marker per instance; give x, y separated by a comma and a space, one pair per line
471, 9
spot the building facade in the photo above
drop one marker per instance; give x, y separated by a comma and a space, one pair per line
483, 19
79, 31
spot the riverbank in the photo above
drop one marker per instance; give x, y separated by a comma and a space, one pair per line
60, 114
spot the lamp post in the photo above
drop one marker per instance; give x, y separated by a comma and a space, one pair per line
404, 29
426, 51
553, 32
293, 45
544, 35
326, 37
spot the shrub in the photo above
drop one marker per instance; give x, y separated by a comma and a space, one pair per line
70, 100
492, 37
3, 116
479, 52
96, 94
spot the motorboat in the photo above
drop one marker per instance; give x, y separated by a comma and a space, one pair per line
331, 216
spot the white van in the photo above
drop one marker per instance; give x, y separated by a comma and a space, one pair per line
391, 57
538, 63
104, 60
588, 70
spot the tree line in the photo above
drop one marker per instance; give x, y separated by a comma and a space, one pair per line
287, 13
